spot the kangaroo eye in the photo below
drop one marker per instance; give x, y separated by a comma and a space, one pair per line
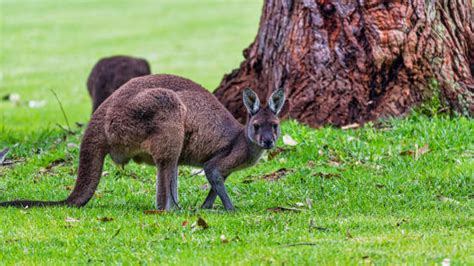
275, 126
256, 127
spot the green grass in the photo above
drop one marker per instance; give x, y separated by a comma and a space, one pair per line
363, 197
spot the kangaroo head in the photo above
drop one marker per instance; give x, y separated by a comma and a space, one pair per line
263, 125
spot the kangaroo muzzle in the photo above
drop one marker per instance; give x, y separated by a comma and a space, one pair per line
268, 144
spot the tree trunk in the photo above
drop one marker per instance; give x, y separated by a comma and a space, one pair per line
348, 61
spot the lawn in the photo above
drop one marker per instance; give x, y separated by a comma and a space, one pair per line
399, 191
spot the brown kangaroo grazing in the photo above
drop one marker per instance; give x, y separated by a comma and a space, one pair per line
110, 73
165, 120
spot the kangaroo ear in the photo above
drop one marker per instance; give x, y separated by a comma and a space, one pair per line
251, 101
276, 101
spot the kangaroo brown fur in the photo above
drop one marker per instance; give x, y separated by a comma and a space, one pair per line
109, 73
165, 120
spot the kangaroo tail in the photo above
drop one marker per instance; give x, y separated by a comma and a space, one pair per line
91, 159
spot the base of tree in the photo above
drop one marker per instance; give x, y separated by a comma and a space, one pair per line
344, 62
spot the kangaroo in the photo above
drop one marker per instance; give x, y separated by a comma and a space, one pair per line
110, 73
166, 121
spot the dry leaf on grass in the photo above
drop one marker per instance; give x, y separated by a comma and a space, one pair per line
269, 177
407, 152
202, 223
309, 202
204, 187
184, 223
423, 150
417, 152
71, 220
327, 175
3, 158
248, 180
154, 212
55, 163
401, 222
276, 175
105, 219
133, 175
288, 140
3, 155
275, 152
383, 126
283, 209
313, 226
446, 199
224, 239
197, 171
72, 146
348, 234
10, 163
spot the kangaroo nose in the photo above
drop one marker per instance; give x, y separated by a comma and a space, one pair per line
268, 144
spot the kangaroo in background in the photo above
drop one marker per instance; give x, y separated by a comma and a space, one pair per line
110, 73
166, 120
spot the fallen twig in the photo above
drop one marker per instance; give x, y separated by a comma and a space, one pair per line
300, 244
3, 155
12, 162
116, 233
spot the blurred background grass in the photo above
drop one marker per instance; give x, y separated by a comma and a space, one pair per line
52, 45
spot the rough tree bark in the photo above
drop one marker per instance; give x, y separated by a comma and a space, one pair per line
347, 61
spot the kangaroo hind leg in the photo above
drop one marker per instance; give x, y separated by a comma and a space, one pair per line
165, 137
166, 186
